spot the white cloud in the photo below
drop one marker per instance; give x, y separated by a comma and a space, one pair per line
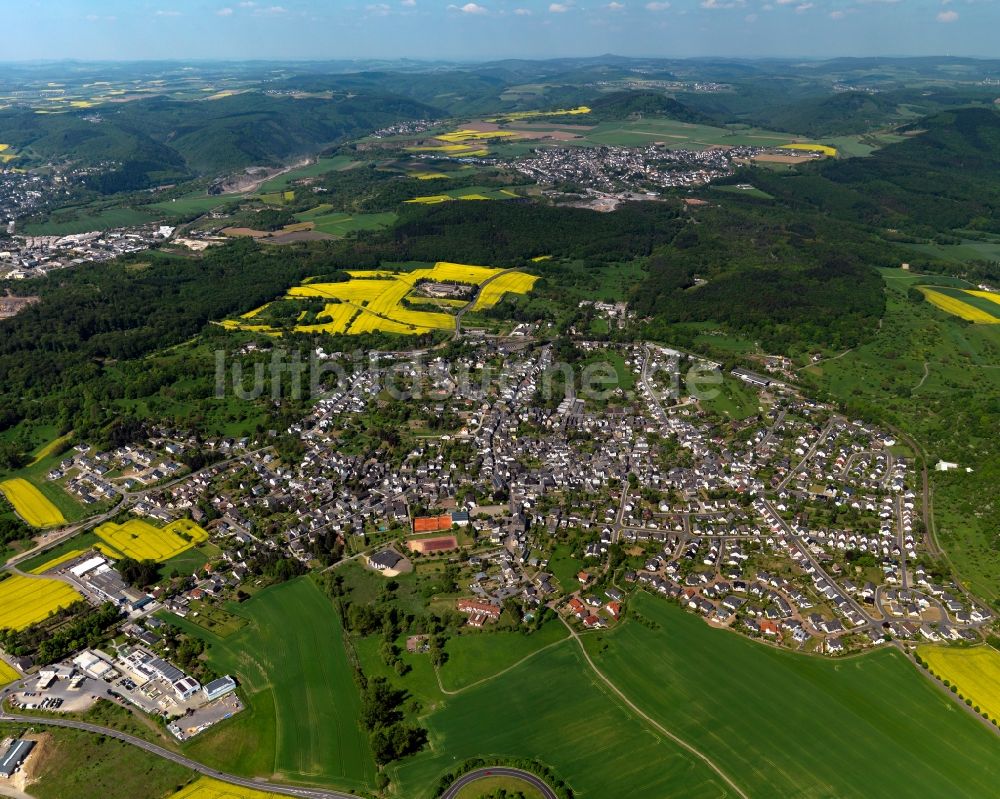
715, 4
469, 8
168, 13
522, 12
558, 8
947, 16
408, 3
837, 15
804, 7
378, 10
615, 6
224, 12
750, 18
657, 6
270, 11
247, 4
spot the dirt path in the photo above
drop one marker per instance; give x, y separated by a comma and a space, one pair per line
652, 722
437, 671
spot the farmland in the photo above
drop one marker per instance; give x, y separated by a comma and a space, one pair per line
57, 561
7, 674
467, 193
979, 307
208, 788
28, 600
549, 708
826, 149
472, 658
493, 292
338, 223
681, 135
302, 721
30, 503
975, 671
905, 736
373, 300
140, 540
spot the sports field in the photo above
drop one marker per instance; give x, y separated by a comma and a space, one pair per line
28, 600
208, 788
30, 503
975, 671
980, 307
302, 718
791, 721
140, 540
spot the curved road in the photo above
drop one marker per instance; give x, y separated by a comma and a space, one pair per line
263, 785
499, 771
153, 749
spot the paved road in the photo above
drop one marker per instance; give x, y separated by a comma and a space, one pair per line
498, 771
158, 751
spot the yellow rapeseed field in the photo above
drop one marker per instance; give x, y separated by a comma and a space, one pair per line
27, 600
475, 135
372, 301
140, 540
975, 671
30, 503
992, 296
51, 564
513, 282
812, 148
339, 314
7, 674
208, 788
958, 308
532, 114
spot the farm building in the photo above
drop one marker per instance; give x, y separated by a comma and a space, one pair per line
15, 755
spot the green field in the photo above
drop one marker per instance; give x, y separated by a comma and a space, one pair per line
195, 203
968, 250
551, 709
339, 223
490, 785
81, 541
320, 167
88, 219
302, 718
86, 766
733, 398
682, 135
478, 656
783, 724
743, 190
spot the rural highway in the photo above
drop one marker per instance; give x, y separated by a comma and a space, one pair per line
263, 785
498, 771
158, 751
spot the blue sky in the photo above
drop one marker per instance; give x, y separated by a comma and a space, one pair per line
486, 29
